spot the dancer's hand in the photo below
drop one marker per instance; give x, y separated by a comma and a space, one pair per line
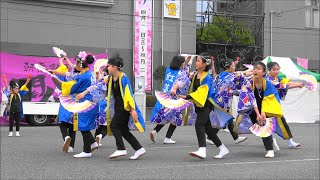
28, 79
134, 115
187, 58
260, 120
80, 96
4, 79
300, 85
182, 96
263, 115
173, 90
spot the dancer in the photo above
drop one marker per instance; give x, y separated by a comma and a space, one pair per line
124, 105
101, 123
84, 121
227, 84
267, 104
15, 103
176, 82
282, 85
200, 94
65, 118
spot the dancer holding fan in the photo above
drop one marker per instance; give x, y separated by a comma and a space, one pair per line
99, 91
65, 117
200, 94
101, 123
282, 85
226, 84
176, 82
267, 104
83, 121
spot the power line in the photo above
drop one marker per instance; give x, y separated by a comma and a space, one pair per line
291, 10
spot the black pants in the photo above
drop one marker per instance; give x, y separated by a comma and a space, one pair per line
169, 132
87, 141
203, 127
14, 116
119, 128
101, 130
286, 126
267, 141
67, 130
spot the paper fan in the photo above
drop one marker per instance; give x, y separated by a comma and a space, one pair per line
249, 66
266, 130
43, 69
100, 63
167, 101
75, 107
59, 52
311, 81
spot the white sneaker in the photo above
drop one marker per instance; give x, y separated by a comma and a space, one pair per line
100, 145
208, 141
226, 130
138, 154
66, 144
240, 139
270, 154
275, 145
223, 151
94, 146
153, 136
201, 153
83, 155
17, 134
118, 153
10, 134
168, 141
70, 149
292, 144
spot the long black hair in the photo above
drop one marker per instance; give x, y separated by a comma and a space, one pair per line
176, 62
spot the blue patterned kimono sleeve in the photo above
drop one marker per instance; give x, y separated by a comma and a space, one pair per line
183, 81
246, 96
99, 89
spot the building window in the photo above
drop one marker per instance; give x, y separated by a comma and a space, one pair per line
312, 13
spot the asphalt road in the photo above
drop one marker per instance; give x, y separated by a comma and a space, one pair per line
37, 154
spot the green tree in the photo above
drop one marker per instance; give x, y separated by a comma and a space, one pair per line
222, 30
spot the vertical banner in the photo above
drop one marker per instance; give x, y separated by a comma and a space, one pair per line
303, 62
171, 8
143, 42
